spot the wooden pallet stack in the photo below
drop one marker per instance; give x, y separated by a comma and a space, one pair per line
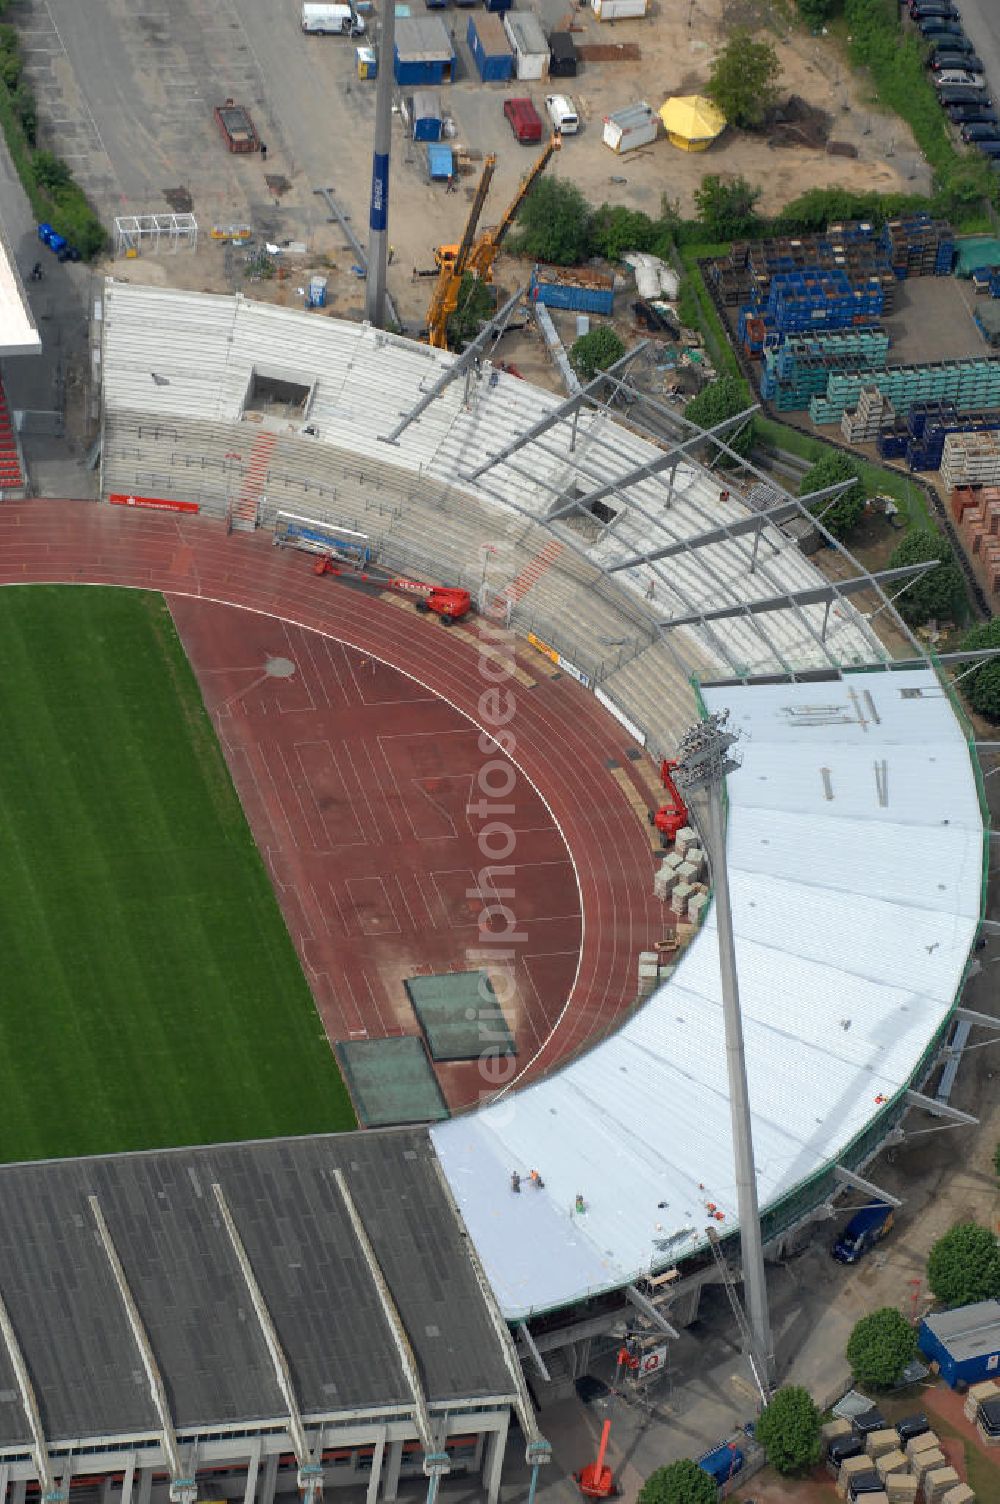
971, 459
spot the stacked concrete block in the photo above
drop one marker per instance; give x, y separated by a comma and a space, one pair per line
848, 1469
664, 882
927, 1442
901, 1488
939, 1483
976, 1395
673, 860
878, 1443
697, 904
889, 1463
679, 901
962, 1494
649, 972
683, 840
689, 872
985, 1437
928, 1462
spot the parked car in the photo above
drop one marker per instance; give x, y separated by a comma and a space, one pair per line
946, 57
933, 7
954, 43
943, 11
562, 112
525, 121
958, 77
962, 94
971, 114
988, 148
980, 130
936, 29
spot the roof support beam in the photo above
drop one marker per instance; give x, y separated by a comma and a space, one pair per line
753, 524
816, 595
183, 1488
848, 1177
646, 471
436, 1461
978, 1020
940, 1109
451, 373
310, 1477
636, 1298
566, 409
529, 1343
990, 926
51, 1494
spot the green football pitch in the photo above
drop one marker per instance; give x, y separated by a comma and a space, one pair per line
149, 991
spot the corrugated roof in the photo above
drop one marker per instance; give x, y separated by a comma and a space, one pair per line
969, 1332
194, 1303
423, 40
525, 32
853, 924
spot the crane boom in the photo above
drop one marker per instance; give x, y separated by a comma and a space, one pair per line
450, 271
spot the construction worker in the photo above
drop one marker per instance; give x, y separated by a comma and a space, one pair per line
581, 1205
263, 152
536, 1180
515, 1182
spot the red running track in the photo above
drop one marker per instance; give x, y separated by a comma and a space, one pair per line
565, 741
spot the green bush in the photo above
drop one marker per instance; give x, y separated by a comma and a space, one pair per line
720, 400
51, 173
843, 514
940, 593
595, 351
880, 1347
554, 223
964, 1265
789, 1430
726, 209
982, 687
681, 1482
815, 12
743, 81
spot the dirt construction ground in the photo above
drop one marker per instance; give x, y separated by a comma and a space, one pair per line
126, 93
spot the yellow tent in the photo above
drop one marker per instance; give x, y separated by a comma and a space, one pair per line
691, 122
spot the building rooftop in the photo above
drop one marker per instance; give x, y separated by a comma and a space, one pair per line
18, 334
162, 1215
423, 40
968, 1332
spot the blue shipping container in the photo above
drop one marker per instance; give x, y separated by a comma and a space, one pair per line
569, 295
423, 54
498, 5
965, 1343
490, 49
440, 162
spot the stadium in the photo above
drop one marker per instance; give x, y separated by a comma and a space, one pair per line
307, 1308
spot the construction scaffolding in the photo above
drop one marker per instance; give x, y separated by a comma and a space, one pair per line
138, 233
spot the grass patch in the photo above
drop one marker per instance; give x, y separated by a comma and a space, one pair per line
152, 995
697, 301
910, 498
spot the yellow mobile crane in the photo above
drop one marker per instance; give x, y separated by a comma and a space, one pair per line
476, 255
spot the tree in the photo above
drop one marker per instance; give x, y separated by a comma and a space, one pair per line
744, 79
595, 351
726, 209
964, 1265
815, 12
982, 687
679, 1483
554, 223
880, 1347
843, 514
789, 1430
720, 400
940, 593
474, 306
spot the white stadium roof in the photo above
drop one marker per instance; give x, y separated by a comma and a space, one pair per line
853, 926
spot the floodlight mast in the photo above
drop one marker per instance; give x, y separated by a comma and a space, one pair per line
705, 756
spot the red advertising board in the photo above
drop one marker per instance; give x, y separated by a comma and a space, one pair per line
152, 503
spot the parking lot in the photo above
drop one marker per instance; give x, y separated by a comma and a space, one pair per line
126, 90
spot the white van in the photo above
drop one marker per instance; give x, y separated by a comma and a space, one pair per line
565, 120
331, 20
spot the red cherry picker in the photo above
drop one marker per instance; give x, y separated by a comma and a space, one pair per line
449, 602
672, 817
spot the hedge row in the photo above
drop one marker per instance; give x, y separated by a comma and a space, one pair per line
53, 193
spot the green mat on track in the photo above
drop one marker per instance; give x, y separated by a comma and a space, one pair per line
391, 1081
460, 1016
